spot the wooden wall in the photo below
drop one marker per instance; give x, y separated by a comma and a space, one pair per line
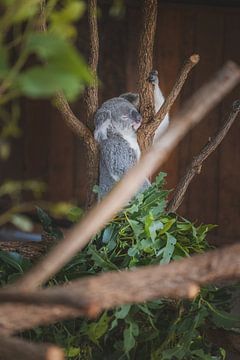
48, 151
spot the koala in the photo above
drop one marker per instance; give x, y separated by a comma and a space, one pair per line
116, 123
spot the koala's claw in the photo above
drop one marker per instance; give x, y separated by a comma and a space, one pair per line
153, 77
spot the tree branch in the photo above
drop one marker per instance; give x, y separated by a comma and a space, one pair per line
145, 56
15, 348
196, 164
91, 94
93, 294
194, 110
147, 130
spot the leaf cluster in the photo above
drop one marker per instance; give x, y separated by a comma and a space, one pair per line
142, 234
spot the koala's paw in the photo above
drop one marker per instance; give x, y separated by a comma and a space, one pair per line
153, 77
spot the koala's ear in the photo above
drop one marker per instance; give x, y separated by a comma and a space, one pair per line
102, 120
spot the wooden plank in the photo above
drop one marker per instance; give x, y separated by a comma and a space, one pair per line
188, 31
61, 159
229, 174
168, 63
36, 139
203, 192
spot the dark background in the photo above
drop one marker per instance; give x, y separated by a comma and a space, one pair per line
48, 151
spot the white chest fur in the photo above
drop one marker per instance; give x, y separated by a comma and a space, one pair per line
131, 138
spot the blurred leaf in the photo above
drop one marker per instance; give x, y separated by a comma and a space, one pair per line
22, 222
97, 329
72, 351
3, 62
75, 214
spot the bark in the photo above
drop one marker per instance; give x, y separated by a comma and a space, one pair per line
195, 109
91, 97
91, 94
15, 348
196, 164
147, 130
91, 295
145, 56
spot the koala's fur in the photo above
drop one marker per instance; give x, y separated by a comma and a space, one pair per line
116, 122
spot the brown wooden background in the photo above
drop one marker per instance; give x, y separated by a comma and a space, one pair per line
48, 151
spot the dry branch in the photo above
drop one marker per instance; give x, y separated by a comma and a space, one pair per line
145, 56
147, 130
15, 348
91, 295
196, 164
194, 110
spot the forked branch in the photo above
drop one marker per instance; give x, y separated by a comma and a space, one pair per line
194, 110
196, 164
147, 130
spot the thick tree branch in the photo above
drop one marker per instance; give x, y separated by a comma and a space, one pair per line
91, 94
147, 130
91, 97
145, 56
196, 164
93, 294
15, 348
194, 110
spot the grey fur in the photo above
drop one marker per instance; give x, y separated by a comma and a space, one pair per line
133, 98
116, 122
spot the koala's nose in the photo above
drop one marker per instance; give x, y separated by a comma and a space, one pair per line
138, 118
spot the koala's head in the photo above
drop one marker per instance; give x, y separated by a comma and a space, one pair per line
116, 114
133, 98
124, 115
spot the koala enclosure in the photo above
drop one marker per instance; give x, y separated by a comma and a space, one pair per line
48, 149
65, 171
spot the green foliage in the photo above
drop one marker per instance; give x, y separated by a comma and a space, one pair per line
37, 64
142, 234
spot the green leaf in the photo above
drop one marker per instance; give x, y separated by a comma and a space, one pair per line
3, 62
128, 339
22, 222
123, 311
97, 329
72, 351
169, 249
11, 260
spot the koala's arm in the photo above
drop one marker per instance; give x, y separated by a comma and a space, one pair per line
117, 156
158, 102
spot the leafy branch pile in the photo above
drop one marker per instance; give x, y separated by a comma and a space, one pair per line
142, 234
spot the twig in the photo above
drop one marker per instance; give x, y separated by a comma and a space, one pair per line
196, 164
91, 295
15, 348
145, 56
194, 110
